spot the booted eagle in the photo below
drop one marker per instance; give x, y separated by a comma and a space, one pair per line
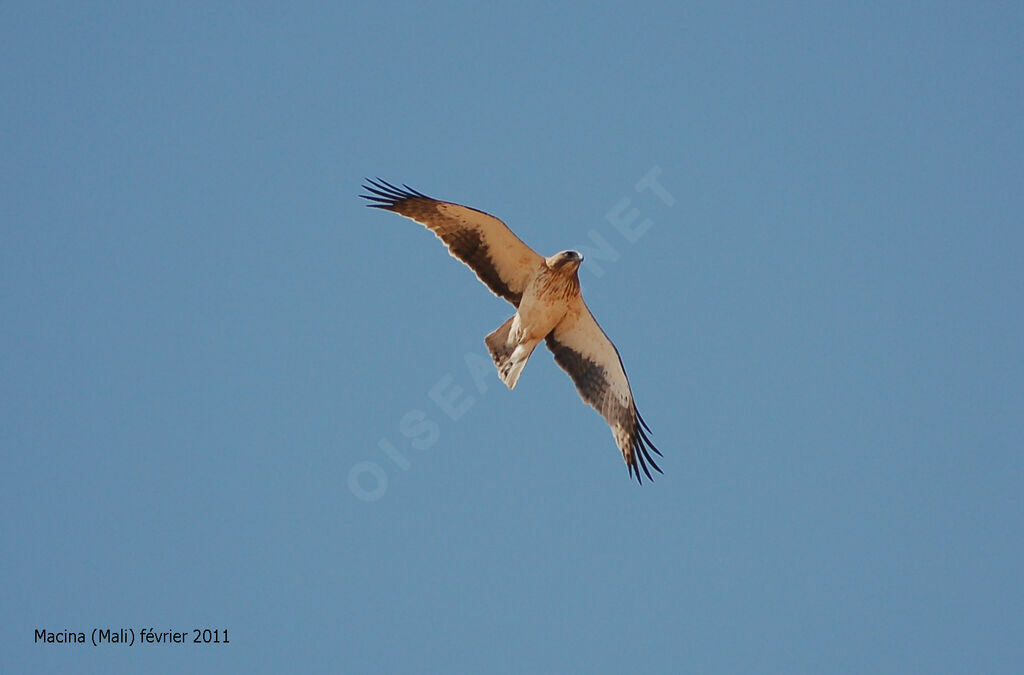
546, 295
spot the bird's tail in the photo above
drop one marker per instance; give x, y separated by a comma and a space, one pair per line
509, 356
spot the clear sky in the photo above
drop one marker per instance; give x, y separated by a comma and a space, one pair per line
235, 398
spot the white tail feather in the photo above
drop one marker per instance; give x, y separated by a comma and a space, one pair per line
510, 370
509, 356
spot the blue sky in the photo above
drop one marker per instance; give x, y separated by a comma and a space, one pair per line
206, 336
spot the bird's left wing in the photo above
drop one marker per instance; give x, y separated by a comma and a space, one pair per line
583, 350
500, 259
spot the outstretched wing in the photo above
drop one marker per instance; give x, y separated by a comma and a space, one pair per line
583, 350
499, 258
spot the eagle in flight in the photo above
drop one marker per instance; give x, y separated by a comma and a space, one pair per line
549, 307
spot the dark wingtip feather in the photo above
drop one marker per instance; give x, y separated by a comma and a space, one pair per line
643, 444
634, 471
387, 195
415, 192
640, 457
647, 440
641, 419
639, 452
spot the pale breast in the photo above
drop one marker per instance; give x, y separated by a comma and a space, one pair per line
546, 300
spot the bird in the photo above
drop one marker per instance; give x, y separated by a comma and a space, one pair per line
549, 307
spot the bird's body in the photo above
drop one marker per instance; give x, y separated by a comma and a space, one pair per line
549, 308
552, 293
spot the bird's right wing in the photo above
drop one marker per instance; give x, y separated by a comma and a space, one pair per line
500, 259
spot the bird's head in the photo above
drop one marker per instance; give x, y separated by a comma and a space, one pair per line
567, 261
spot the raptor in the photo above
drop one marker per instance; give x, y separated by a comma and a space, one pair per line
549, 307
